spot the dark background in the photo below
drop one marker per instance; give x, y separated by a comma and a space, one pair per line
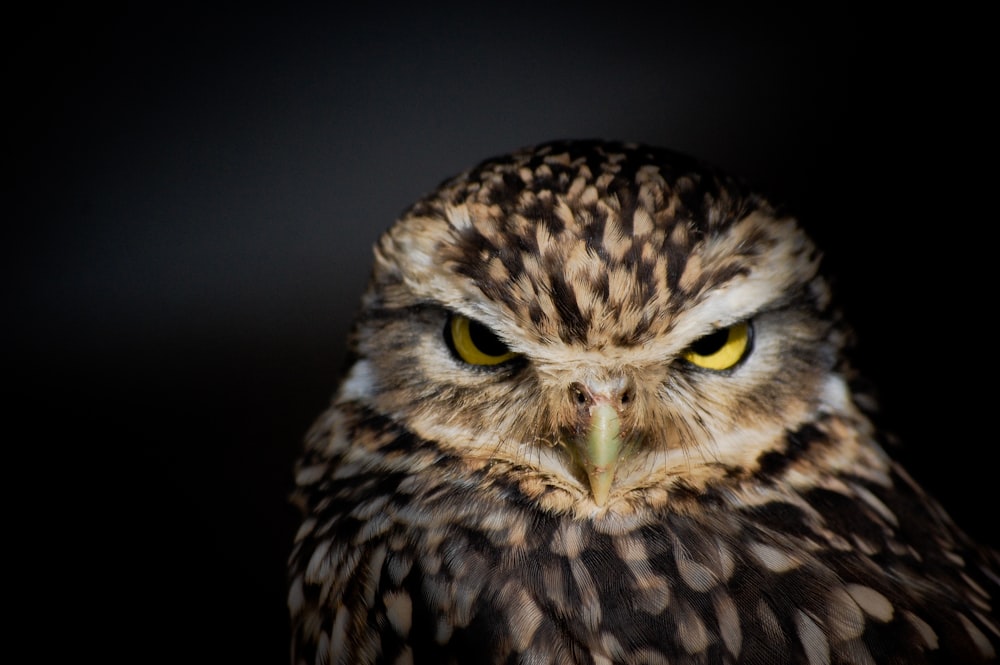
190, 195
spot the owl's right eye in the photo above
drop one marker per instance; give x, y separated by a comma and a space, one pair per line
475, 343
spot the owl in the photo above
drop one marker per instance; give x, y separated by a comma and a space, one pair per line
598, 409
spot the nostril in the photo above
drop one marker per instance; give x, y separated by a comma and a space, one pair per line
579, 394
618, 393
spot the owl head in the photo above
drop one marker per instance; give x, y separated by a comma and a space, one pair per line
600, 326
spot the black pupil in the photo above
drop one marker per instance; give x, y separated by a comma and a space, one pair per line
711, 343
486, 341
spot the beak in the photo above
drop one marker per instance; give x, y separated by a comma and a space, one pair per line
599, 402
600, 448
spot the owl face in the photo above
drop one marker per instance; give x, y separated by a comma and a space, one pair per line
599, 328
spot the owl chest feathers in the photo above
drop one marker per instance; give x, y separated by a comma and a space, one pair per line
459, 565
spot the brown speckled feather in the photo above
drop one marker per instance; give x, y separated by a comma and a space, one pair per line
626, 484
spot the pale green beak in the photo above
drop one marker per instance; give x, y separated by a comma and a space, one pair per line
601, 449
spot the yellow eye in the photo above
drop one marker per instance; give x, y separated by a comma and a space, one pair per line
475, 343
721, 349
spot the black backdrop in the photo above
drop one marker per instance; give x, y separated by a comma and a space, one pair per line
191, 192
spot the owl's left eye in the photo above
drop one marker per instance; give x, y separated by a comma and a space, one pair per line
722, 349
475, 343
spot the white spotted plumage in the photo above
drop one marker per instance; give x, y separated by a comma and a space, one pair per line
597, 496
